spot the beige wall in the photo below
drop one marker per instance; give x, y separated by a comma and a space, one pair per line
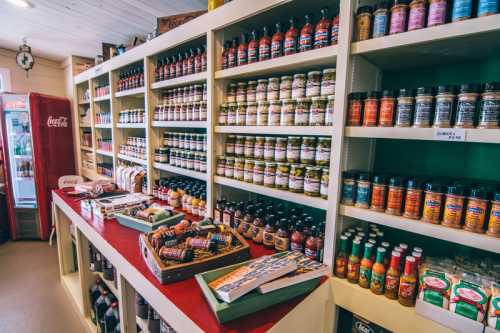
46, 77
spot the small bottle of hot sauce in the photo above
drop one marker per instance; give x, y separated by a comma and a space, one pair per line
225, 51
365, 269
253, 47
191, 60
232, 53
392, 276
341, 259
173, 68
185, 63
408, 283
354, 262
378, 273
291, 36
204, 58
242, 57
335, 30
166, 69
198, 60
277, 42
297, 238
282, 237
178, 66
269, 232
322, 31
306, 34
265, 45
311, 247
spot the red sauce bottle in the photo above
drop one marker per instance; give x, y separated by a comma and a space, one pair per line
225, 51
178, 66
322, 31
204, 58
198, 59
232, 53
141, 77
159, 70
242, 58
297, 238
191, 58
306, 34
265, 45
291, 36
185, 64
166, 69
173, 68
277, 42
253, 48
311, 248
335, 30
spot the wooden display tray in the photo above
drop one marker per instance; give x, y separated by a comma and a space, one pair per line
168, 274
143, 226
251, 302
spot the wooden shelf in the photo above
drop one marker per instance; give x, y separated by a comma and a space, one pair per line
302, 199
381, 310
180, 124
181, 171
84, 125
287, 64
102, 98
458, 236
180, 81
131, 92
87, 148
139, 125
471, 135
133, 160
104, 152
104, 126
282, 130
84, 102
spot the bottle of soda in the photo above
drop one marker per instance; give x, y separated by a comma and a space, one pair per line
111, 318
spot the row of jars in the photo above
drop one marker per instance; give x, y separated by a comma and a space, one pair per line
103, 117
196, 111
182, 158
187, 94
466, 106
307, 150
135, 147
105, 144
296, 178
315, 83
188, 141
452, 204
101, 90
305, 111
132, 116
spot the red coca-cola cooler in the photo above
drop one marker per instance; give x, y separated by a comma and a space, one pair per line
37, 145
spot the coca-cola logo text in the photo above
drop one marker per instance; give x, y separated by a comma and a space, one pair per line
57, 122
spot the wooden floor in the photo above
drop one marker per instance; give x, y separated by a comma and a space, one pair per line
31, 296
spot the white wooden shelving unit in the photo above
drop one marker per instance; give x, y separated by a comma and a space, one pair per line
360, 67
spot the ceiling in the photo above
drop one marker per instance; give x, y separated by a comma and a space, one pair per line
56, 29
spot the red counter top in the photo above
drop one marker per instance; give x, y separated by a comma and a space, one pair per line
186, 294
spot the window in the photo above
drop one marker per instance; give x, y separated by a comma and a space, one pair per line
4, 80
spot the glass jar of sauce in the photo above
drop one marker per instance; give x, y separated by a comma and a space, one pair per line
258, 172
293, 149
475, 213
299, 86
313, 85
433, 201
323, 151
317, 111
269, 147
270, 174
288, 112
273, 89
453, 206
296, 178
308, 150
312, 181
282, 174
302, 111
258, 151
285, 91
280, 149
328, 82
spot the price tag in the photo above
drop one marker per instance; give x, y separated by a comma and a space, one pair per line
449, 134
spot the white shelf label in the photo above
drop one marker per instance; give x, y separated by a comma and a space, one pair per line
449, 134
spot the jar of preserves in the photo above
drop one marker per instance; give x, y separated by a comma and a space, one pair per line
387, 109
274, 113
285, 87
231, 93
323, 151
445, 106
296, 178
363, 23
424, 103
230, 143
454, 206
241, 92
270, 174
379, 193
258, 151
239, 165
269, 147
258, 172
413, 199
354, 109
308, 150
325, 179
404, 111
299, 86
475, 213
287, 112
251, 116
282, 173
312, 181
433, 201
302, 111
273, 89
467, 106
318, 111
249, 146
330, 108
395, 195
231, 114
229, 167
241, 114
313, 85
262, 113
489, 110
280, 149
261, 91
239, 146
248, 171
252, 91
328, 82
293, 149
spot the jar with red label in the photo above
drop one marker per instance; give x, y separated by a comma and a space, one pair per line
494, 222
277, 42
433, 202
225, 52
273, 89
477, 206
379, 193
395, 195
370, 109
322, 31
399, 14
291, 38
285, 91
261, 90
354, 109
335, 29
252, 91
416, 17
413, 199
299, 86
242, 55
387, 109
265, 45
306, 34
454, 206
232, 53
253, 48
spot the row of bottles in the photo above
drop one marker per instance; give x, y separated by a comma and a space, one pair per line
155, 324
189, 62
104, 308
22, 146
131, 78
24, 169
182, 192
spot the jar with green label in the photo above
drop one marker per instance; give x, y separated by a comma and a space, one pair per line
280, 149
282, 174
296, 178
325, 179
323, 151
270, 174
293, 149
308, 150
312, 181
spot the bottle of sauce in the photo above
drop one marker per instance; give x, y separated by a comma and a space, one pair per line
218, 210
204, 60
392, 276
378, 273
185, 63
365, 268
228, 215
159, 70
322, 31
354, 262
341, 259
173, 68
198, 60
258, 227
311, 246
238, 215
265, 45
308, 223
291, 37
282, 238
269, 232
408, 283
178, 66
243, 50
297, 238
232, 53
253, 48
306, 34
245, 227
277, 42
334, 36
224, 54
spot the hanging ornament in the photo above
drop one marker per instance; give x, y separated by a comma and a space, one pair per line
24, 58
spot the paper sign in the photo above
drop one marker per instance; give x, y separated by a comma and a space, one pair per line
449, 134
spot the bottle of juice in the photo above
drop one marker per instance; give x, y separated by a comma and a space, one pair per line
408, 283
392, 276
378, 273
341, 259
365, 269
354, 262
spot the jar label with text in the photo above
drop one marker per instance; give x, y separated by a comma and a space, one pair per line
437, 13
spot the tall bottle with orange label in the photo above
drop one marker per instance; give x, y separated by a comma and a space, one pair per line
353, 263
378, 273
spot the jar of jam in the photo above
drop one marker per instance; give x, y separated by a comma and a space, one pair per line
424, 104
261, 92
325, 180
363, 192
494, 222
387, 109
293, 149
453, 206
433, 201
229, 167
330, 108
437, 12
416, 17
239, 146
312, 181
296, 178
308, 150
282, 173
291, 38
221, 165
306, 34
475, 213
318, 111
269, 147
241, 92
258, 172
231, 114
395, 195
404, 111
399, 12
299, 86
370, 110
274, 113
251, 114
280, 149
285, 91
249, 146
302, 111
467, 106
273, 89
239, 165
413, 199
230, 145
222, 117
231, 93
241, 114
252, 91
288, 112
354, 109
379, 193
323, 151
313, 85
349, 187
262, 113
445, 105
258, 151
270, 174
328, 82
322, 31
489, 110
363, 23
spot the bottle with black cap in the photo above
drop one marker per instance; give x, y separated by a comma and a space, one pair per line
424, 104
404, 110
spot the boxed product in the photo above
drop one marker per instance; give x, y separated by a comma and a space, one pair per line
494, 310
